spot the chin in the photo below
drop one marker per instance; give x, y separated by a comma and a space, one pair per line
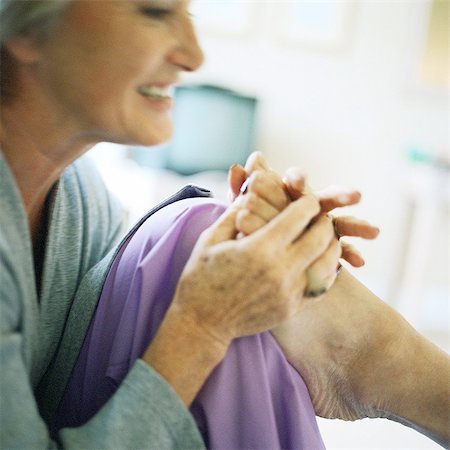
154, 140
153, 130
156, 136
150, 138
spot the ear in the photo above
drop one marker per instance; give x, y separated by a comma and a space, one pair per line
24, 48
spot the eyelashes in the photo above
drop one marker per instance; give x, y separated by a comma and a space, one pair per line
156, 13
161, 12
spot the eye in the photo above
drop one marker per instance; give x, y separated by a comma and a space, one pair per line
156, 13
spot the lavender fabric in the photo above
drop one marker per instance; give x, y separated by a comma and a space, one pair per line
253, 400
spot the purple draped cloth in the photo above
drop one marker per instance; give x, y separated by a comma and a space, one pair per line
253, 400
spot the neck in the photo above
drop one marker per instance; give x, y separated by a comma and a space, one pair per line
37, 152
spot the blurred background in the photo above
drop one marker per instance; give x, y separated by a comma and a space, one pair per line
354, 92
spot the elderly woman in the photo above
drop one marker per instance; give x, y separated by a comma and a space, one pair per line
75, 73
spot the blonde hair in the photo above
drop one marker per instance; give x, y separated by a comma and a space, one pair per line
18, 17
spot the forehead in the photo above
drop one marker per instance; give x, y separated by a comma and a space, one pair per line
95, 16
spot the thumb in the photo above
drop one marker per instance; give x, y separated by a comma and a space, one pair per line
224, 229
295, 182
256, 161
236, 177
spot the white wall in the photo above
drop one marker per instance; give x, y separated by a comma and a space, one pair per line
347, 115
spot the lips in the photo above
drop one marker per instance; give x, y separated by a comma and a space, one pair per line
156, 92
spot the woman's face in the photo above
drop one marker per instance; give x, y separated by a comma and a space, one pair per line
110, 65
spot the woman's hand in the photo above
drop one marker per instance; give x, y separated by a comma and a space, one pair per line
258, 281
276, 193
266, 194
231, 288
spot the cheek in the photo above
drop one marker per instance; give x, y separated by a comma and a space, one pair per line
103, 57
117, 73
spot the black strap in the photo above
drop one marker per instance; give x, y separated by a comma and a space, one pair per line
188, 191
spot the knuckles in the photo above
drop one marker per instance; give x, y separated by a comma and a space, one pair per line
251, 201
309, 204
314, 204
253, 280
257, 180
252, 287
244, 220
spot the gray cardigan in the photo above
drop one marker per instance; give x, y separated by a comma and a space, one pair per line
41, 335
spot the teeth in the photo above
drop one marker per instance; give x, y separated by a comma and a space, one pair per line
156, 92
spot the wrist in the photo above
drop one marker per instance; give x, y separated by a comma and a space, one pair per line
183, 353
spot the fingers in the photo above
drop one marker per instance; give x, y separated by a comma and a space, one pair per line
322, 272
236, 177
295, 182
237, 174
351, 226
266, 194
269, 187
256, 161
247, 222
254, 213
351, 255
288, 225
337, 196
223, 229
312, 244
291, 186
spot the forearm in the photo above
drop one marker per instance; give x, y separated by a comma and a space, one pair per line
409, 375
183, 354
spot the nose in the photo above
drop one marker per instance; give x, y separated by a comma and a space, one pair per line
187, 53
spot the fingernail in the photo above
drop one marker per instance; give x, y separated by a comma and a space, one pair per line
294, 173
315, 293
343, 198
244, 186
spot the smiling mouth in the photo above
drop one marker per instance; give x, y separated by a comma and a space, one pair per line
156, 92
